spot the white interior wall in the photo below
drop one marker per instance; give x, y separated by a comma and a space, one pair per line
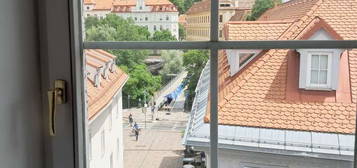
20, 98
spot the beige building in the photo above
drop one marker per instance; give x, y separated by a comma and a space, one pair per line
198, 17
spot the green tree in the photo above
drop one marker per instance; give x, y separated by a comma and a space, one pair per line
163, 35
194, 61
260, 6
179, 4
141, 84
173, 64
182, 32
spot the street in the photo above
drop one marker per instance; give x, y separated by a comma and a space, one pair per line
160, 143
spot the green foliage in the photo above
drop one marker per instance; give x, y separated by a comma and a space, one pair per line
260, 7
141, 83
173, 64
163, 35
179, 4
194, 61
182, 32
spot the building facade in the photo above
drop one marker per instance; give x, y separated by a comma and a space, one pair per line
198, 17
104, 82
284, 108
156, 15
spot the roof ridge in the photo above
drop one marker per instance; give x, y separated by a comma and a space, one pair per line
262, 21
289, 33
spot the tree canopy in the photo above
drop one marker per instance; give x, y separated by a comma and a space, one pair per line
260, 6
141, 82
173, 64
194, 61
163, 35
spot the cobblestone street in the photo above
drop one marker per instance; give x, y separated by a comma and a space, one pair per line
160, 143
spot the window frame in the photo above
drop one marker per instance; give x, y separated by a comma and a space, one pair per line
213, 45
311, 86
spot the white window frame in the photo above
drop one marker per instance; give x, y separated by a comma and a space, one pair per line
75, 24
312, 86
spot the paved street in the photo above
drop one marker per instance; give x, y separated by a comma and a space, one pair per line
160, 143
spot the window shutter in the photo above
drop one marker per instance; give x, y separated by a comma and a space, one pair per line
303, 67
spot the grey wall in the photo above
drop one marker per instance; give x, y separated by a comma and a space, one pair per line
20, 101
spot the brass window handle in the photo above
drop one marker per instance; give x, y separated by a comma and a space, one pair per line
57, 95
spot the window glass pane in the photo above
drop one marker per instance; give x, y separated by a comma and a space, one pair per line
323, 77
244, 57
264, 114
315, 62
146, 20
323, 62
314, 76
290, 20
161, 97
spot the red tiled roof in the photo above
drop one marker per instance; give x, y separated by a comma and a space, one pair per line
256, 30
157, 5
100, 96
263, 94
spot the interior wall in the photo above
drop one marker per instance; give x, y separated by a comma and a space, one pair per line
20, 97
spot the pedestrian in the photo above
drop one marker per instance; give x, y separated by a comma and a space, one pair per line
130, 120
136, 131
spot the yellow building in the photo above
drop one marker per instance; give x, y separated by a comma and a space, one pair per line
198, 17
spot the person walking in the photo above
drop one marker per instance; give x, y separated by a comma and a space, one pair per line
136, 131
130, 120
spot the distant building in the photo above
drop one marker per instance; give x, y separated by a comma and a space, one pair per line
284, 108
198, 17
156, 15
104, 83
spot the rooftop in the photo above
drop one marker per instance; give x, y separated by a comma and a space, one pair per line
98, 96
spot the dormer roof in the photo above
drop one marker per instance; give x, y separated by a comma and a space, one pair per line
263, 95
100, 96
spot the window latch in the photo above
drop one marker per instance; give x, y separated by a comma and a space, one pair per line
57, 95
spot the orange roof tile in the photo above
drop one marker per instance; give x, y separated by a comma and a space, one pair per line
99, 97
257, 96
255, 30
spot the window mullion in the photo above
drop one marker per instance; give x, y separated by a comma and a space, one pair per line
214, 86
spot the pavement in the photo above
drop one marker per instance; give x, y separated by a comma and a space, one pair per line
160, 142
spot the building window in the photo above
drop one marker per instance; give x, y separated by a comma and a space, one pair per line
90, 146
220, 18
237, 59
161, 27
102, 142
319, 67
154, 27
118, 149
135, 18
167, 18
88, 8
111, 160
146, 19
110, 121
220, 33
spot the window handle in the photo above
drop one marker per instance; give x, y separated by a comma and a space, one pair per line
57, 95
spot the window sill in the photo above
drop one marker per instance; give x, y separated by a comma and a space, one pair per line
318, 89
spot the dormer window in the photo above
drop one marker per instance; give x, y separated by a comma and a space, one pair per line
238, 59
319, 69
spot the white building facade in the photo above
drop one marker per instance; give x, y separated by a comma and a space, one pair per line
104, 83
156, 15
